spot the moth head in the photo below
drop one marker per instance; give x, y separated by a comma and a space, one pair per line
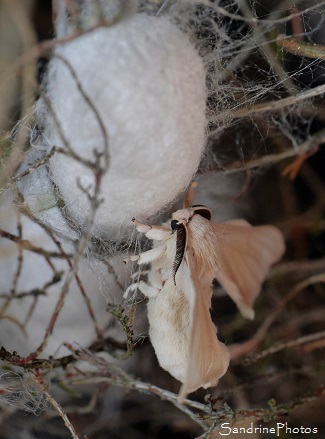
183, 216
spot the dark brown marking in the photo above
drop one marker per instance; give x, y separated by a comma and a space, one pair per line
181, 241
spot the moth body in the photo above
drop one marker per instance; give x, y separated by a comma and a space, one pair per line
169, 328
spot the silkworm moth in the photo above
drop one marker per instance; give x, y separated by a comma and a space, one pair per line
188, 253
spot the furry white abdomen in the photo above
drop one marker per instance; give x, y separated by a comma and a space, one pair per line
169, 320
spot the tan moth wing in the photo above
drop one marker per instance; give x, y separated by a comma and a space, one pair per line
208, 358
246, 255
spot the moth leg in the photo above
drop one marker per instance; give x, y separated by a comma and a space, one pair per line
132, 287
148, 256
148, 290
139, 273
158, 233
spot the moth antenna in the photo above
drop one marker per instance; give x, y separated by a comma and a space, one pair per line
204, 211
181, 242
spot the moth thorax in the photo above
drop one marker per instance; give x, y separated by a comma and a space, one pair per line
202, 243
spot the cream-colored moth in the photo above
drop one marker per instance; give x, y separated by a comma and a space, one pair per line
188, 253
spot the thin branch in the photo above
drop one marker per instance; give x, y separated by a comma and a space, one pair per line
126, 321
301, 48
274, 411
254, 20
275, 105
284, 345
298, 267
13, 289
311, 144
67, 257
142, 387
33, 293
57, 407
239, 350
36, 165
24, 244
270, 55
90, 104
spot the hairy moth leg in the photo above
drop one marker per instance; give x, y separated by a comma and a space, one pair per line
130, 288
148, 256
146, 289
149, 289
157, 233
137, 274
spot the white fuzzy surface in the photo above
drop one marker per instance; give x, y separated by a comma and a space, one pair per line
147, 82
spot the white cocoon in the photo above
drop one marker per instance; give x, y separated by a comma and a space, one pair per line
147, 82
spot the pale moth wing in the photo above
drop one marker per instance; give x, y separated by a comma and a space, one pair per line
208, 358
246, 255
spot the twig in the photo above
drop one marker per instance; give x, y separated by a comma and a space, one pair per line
297, 267
115, 375
269, 53
72, 272
33, 293
13, 289
68, 148
277, 410
16, 322
275, 105
57, 407
147, 388
309, 145
126, 321
36, 165
284, 345
67, 257
89, 408
90, 104
301, 48
99, 345
24, 244
253, 20
267, 414
239, 350
56, 278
